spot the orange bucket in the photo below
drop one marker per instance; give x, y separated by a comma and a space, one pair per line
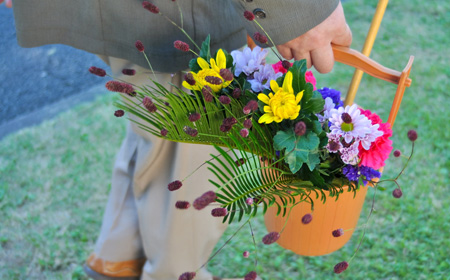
315, 238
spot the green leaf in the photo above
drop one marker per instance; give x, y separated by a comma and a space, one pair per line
284, 140
314, 104
305, 152
298, 70
193, 65
205, 51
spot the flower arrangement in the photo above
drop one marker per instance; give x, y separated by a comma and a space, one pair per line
280, 140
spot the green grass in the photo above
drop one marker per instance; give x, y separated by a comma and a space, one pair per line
54, 178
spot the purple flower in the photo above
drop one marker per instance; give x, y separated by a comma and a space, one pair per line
335, 95
248, 60
368, 173
262, 77
327, 107
351, 172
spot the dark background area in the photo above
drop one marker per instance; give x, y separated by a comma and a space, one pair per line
32, 78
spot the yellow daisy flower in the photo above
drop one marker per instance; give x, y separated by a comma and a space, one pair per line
282, 103
209, 69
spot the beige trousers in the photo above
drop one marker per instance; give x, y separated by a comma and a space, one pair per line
140, 219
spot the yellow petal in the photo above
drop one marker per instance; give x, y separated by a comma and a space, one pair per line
221, 59
287, 83
203, 63
299, 96
274, 86
264, 98
266, 118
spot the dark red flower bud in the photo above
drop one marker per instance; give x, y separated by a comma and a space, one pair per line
412, 135
129, 72
253, 105
204, 200
338, 232
271, 238
307, 219
397, 193
139, 46
340, 267
189, 78
244, 132
119, 113
219, 212
248, 123
226, 75
225, 128
224, 99
240, 162
150, 7
207, 93
249, 15
246, 254
182, 204
236, 93
194, 117
251, 276
175, 185
190, 131
213, 80
260, 38
286, 64
300, 128
180, 45
164, 132
249, 201
120, 87
148, 104
187, 276
97, 71
346, 118
397, 153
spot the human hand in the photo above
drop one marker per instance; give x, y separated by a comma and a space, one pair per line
315, 45
8, 3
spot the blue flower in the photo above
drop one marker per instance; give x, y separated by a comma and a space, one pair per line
335, 95
368, 173
351, 172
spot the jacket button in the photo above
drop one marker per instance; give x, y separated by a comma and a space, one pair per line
259, 13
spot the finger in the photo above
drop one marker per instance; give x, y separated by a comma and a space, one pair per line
323, 59
285, 52
303, 55
344, 38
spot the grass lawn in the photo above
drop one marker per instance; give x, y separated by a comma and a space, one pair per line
54, 178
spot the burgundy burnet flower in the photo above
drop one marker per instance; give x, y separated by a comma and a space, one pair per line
190, 131
337, 232
248, 123
120, 87
249, 201
271, 238
397, 153
251, 276
412, 135
300, 128
194, 117
244, 132
150, 7
340, 267
207, 93
139, 46
182, 204
397, 193
236, 93
164, 132
225, 100
175, 185
226, 74
240, 162
119, 113
149, 105
180, 45
246, 254
286, 64
219, 212
129, 72
307, 219
251, 106
97, 71
189, 78
260, 38
227, 124
187, 276
204, 200
249, 15
213, 80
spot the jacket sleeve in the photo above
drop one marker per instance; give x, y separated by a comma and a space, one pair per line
285, 20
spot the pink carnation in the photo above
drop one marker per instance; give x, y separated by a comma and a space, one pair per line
379, 149
309, 77
278, 67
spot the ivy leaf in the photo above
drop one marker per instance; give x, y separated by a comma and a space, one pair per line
305, 152
284, 140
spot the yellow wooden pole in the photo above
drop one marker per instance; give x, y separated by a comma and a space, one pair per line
367, 48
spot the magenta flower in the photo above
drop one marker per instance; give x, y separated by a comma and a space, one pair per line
180, 45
